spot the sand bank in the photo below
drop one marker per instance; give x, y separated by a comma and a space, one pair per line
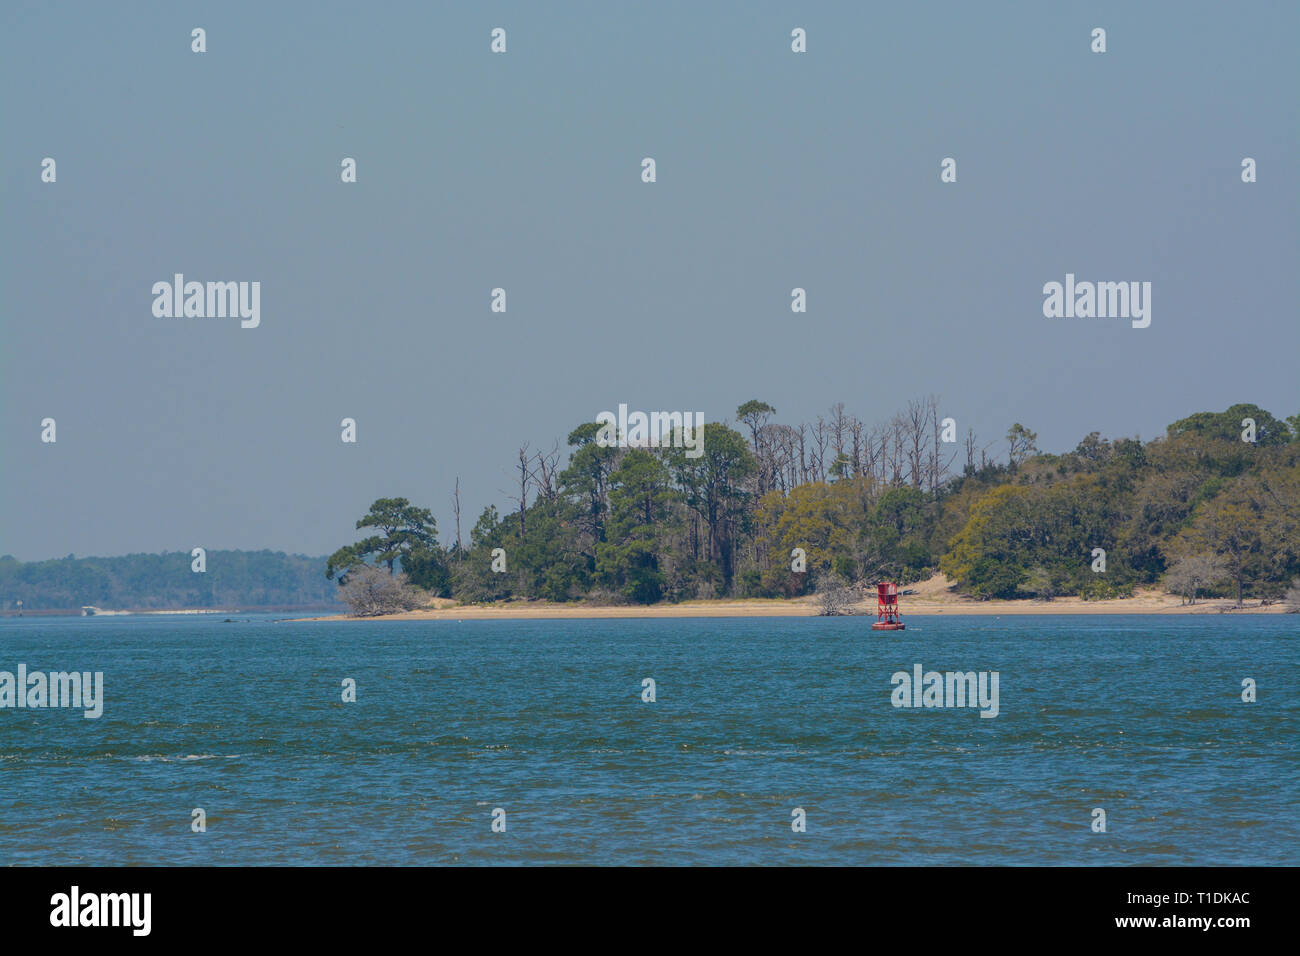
933, 597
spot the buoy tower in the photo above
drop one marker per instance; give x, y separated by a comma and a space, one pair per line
887, 617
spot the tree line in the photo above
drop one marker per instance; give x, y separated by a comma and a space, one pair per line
774, 510
233, 579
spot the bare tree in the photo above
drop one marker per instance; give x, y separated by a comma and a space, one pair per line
916, 420
838, 429
970, 452
935, 466
455, 507
803, 455
1193, 573
820, 434
525, 479
939, 466
896, 453
878, 451
781, 442
547, 472
859, 451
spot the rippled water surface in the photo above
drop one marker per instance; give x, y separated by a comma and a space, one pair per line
1141, 716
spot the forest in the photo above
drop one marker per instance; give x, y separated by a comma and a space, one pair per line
1210, 508
233, 579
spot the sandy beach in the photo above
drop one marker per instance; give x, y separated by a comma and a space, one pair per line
930, 598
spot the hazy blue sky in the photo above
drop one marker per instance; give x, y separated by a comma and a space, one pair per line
522, 170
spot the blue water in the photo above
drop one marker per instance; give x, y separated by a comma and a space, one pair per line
1141, 716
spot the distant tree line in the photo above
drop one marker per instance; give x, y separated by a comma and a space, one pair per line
233, 579
1199, 509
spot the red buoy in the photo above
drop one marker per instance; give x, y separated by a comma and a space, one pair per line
887, 617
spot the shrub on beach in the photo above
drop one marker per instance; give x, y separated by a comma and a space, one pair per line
834, 597
1292, 598
368, 591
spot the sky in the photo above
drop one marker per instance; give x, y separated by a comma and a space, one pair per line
479, 170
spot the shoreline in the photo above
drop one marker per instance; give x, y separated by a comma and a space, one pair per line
931, 599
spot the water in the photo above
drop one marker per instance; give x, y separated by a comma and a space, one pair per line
1141, 716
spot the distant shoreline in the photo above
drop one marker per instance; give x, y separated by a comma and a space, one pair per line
158, 612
